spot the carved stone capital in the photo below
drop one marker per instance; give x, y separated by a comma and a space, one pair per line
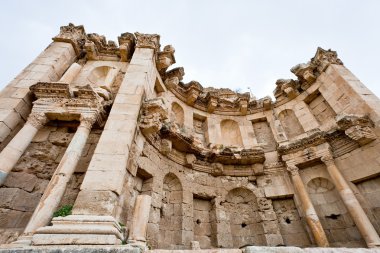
87, 120
37, 119
75, 35
323, 58
328, 159
294, 171
148, 41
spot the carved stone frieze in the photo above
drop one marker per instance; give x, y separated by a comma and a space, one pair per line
313, 138
51, 90
60, 101
75, 35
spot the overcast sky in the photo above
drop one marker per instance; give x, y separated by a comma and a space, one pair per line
235, 44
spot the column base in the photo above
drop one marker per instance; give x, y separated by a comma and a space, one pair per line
80, 230
23, 240
374, 245
138, 244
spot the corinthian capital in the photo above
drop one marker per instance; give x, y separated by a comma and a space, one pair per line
148, 41
37, 119
293, 170
72, 34
87, 120
327, 159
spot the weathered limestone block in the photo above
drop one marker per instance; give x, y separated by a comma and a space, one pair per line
22, 180
87, 203
17, 199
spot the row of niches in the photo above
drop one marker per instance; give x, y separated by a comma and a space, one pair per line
218, 145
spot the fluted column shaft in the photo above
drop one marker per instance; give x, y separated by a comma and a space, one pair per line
356, 211
58, 183
311, 216
10, 155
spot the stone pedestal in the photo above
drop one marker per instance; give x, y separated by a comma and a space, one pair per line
73, 230
14, 150
311, 216
137, 234
357, 213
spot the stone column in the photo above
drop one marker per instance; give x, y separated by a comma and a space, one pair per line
95, 209
311, 216
71, 73
140, 220
14, 150
15, 98
57, 185
353, 206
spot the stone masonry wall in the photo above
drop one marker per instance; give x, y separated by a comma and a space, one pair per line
26, 183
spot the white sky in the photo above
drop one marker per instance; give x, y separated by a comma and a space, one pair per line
232, 44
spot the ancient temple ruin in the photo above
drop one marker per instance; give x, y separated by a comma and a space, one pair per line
102, 143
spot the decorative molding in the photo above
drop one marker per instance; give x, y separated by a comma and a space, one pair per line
307, 74
171, 140
61, 102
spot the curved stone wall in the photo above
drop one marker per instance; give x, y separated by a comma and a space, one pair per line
194, 167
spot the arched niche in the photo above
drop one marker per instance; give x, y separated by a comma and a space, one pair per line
170, 225
231, 135
178, 114
245, 222
290, 123
102, 76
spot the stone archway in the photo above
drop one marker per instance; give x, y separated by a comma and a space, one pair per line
170, 225
290, 123
245, 222
231, 135
178, 114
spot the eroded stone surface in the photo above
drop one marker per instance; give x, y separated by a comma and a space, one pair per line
223, 170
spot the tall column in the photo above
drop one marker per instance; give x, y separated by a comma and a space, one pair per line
14, 150
353, 206
56, 188
140, 220
94, 215
71, 73
311, 216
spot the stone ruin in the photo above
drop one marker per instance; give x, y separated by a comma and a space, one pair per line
105, 148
